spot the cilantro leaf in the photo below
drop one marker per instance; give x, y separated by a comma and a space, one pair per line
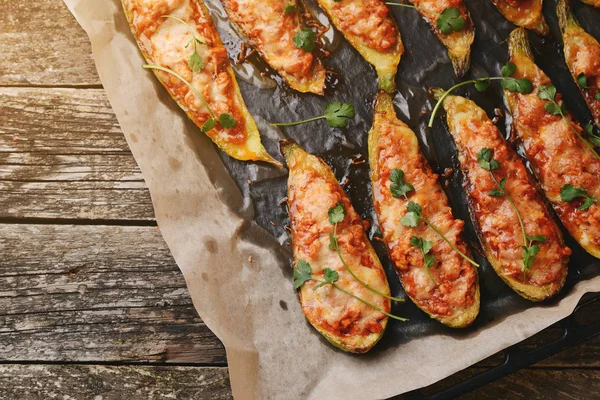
486, 161
410, 219
413, 216
414, 207
338, 114
537, 238
522, 85
227, 121
582, 80
552, 108
330, 276
429, 260
305, 39
482, 84
547, 92
195, 62
495, 193
290, 8
529, 254
508, 69
425, 246
208, 125
399, 188
416, 241
597, 96
336, 214
592, 137
569, 193
450, 21
301, 273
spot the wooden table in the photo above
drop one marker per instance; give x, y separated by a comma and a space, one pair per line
93, 305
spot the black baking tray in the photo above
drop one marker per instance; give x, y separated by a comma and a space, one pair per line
424, 64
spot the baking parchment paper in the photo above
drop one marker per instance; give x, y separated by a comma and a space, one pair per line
223, 221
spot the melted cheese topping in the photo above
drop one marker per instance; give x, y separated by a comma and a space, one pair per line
582, 53
557, 155
455, 286
497, 220
268, 28
310, 195
166, 42
526, 13
368, 20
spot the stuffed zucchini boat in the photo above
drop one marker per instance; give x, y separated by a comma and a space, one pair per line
322, 221
458, 42
525, 13
582, 54
520, 238
438, 279
187, 56
371, 29
566, 165
282, 33
594, 3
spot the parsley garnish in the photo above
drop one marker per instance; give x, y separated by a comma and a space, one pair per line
553, 107
336, 215
225, 120
520, 85
302, 274
337, 115
425, 246
414, 215
195, 62
448, 21
486, 160
305, 39
569, 193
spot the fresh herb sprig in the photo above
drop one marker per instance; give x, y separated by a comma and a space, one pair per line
336, 215
448, 21
414, 214
592, 136
425, 246
305, 39
486, 160
569, 193
195, 62
520, 85
303, 273
337, 115
224, 119
553, 107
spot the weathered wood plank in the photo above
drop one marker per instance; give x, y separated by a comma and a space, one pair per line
62, 155
58, 121
96, 293
99, 382
42, 44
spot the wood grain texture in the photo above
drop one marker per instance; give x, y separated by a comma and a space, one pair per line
62, 155
96, 293
98, 382
42, 44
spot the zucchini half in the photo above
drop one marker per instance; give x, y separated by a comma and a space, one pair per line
498, 225
271, 30
582, 54
525, 13
161, 41
344, 321
448, 291
457, 43
346, 14
557, 155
